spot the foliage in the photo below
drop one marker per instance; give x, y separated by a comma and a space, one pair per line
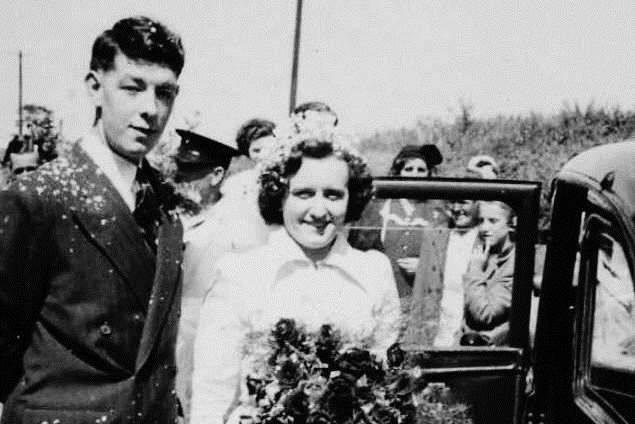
531, 147
301, 377
38, 124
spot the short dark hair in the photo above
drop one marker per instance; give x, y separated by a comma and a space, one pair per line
274, 179
138, 38
253, 130
315, 106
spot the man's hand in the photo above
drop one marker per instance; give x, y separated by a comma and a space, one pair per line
409, 265
480, 253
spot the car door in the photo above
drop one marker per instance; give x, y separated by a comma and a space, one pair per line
486, 373
585, 337
604, 336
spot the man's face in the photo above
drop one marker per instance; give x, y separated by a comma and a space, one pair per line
462, 212
136, 100
493, 224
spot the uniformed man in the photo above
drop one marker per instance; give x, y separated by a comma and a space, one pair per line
213, 226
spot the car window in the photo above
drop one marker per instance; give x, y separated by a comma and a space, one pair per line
453, 264
613, 342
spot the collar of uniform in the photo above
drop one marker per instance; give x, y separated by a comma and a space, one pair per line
287, 250
119, 171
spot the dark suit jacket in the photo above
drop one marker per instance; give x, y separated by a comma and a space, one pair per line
88, 312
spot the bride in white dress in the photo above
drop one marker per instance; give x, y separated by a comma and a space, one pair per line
307, 271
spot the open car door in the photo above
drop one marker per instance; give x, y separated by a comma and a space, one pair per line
408, 221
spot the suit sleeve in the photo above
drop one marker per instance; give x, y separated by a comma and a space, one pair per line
21, 266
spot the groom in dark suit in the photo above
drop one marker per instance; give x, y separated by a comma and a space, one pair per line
90, 254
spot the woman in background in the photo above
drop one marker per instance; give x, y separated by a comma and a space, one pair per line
396, 225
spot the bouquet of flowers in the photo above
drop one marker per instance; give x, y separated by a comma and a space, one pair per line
303, 377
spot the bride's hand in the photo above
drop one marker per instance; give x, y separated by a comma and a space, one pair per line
409, 265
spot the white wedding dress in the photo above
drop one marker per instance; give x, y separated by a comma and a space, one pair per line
352, 290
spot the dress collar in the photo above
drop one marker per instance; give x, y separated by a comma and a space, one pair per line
289, 251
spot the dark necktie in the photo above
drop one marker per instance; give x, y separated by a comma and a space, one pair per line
146, 211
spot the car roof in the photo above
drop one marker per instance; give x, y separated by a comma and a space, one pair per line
595, 164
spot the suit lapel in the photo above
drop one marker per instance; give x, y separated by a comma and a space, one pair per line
166, 281
111, 227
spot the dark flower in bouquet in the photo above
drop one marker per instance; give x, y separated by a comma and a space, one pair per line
287, 338
381, 414
289, 374
339, 399
356, 363
322, 377
297, 406
319, 417
327, 344
395, 356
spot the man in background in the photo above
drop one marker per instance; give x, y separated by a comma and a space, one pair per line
214, 225
436, 310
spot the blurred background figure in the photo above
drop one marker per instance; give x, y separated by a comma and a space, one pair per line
212, 227
483, 166
16, 145
201, 163
460, 242
314, 115
416, 161
438, 299
395, 226
255, 138
489, 278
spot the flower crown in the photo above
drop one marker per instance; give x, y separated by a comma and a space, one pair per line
287, 140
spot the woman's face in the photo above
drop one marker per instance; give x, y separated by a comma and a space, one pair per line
315, 207
259, 148
493, 224
415, 167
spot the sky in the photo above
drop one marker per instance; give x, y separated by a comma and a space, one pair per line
379, 64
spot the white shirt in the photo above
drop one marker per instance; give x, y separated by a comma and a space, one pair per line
119, 171
457, 258
350, 289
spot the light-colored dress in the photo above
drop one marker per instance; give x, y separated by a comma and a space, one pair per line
217, 230
457, 258
350, 289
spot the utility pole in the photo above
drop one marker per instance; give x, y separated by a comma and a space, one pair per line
296, 55
20, 94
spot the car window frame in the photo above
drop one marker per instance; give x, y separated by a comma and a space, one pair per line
522, 196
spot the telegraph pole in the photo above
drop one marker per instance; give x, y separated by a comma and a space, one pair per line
20, 94
296, 54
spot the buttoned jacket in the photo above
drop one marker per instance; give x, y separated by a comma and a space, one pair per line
88, 312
